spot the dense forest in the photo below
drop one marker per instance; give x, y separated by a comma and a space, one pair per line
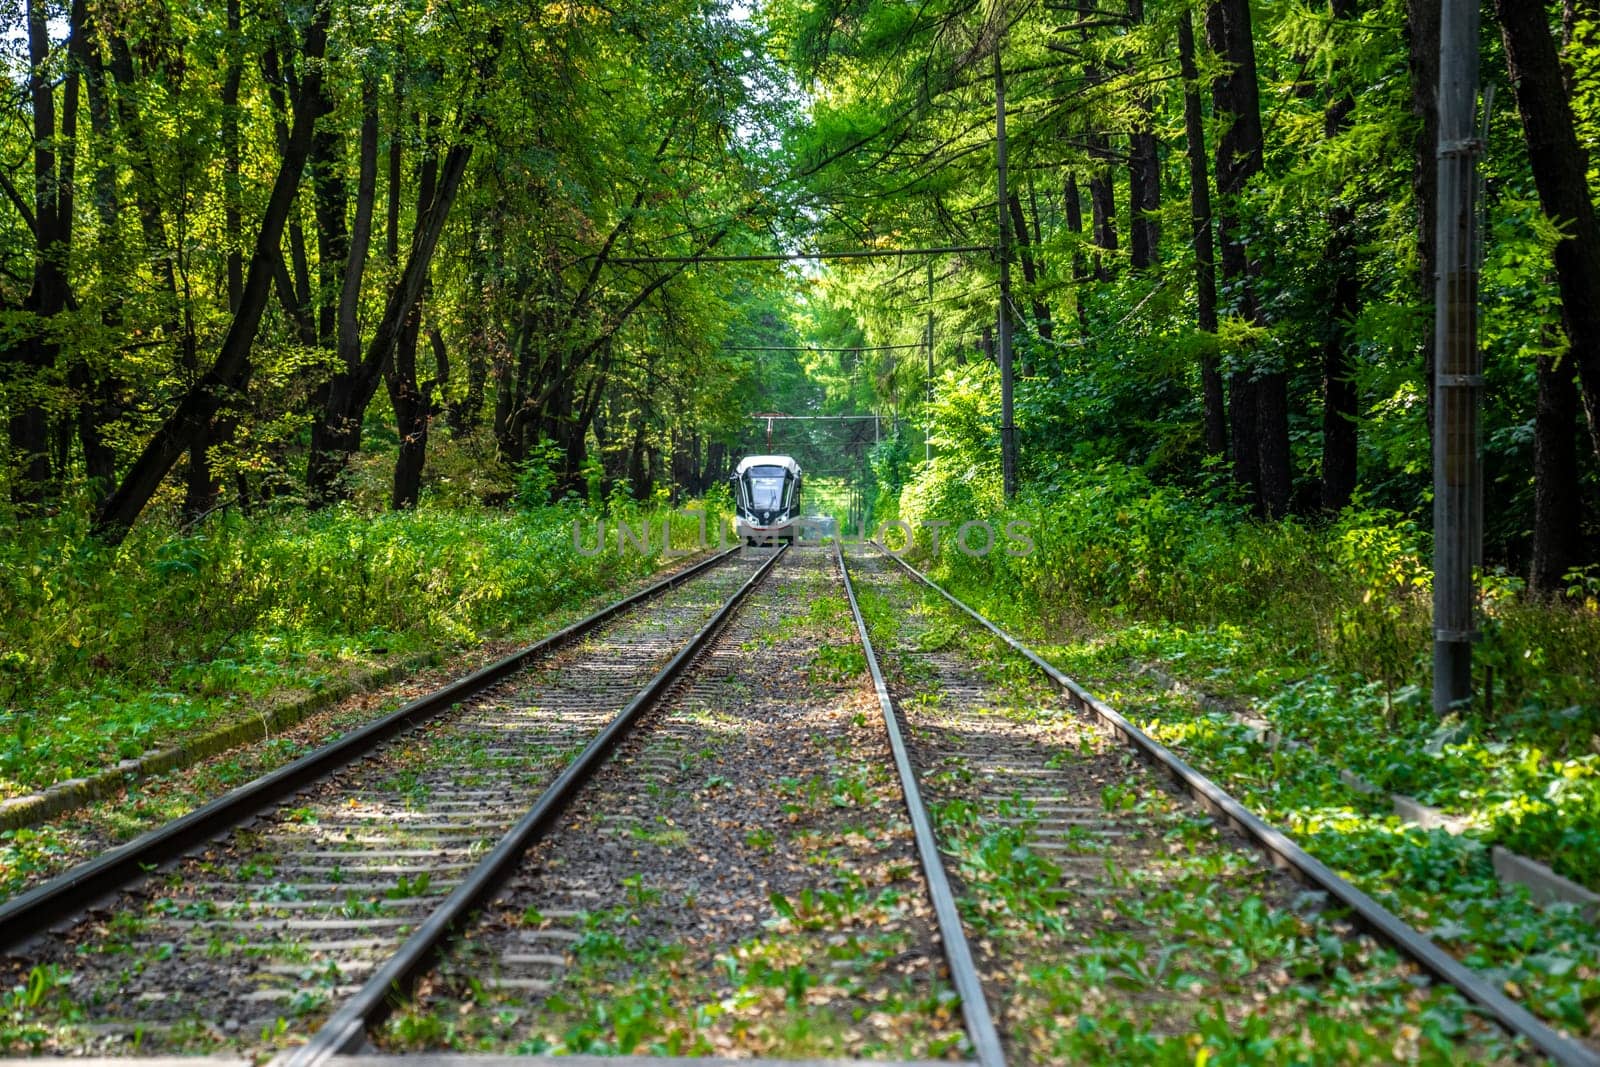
241, 247
1222, 217
233, 236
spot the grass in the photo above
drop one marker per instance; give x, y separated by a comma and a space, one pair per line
796, 992
108, 654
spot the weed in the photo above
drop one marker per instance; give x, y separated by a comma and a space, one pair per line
408, 887
638, 894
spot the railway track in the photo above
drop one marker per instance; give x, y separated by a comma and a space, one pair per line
741, 879
328, 882
1107, 898
685, 827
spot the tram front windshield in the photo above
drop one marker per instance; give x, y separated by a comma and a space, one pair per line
765, 487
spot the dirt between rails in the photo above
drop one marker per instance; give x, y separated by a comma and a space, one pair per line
1113, 920
36, 854
741, 880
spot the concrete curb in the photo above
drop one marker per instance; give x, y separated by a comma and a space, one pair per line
1416, 813
1512, 869
19, 812
1543, 884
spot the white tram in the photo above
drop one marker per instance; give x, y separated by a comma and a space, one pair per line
766, 497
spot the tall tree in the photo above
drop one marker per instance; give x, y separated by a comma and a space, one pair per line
1073, 201
1258, 399
339, 403
95, 384
411, 401
1144, 168
1205, 270
1422, 53
1025, 238
1560, 173
30, 358
230, 371
1557, 498
1340, 399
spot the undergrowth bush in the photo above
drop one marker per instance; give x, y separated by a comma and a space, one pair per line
1327, 629
1352, 597
104, 653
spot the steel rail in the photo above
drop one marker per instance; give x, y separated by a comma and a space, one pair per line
29, 914
957, 953
346, 1030
1284, 852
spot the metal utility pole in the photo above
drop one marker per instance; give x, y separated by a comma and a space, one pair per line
1458, 366
927, 417
1008, 429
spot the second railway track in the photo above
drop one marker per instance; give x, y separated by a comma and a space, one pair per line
1121, 920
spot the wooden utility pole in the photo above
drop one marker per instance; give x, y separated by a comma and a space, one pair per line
1458, 368
1008, 429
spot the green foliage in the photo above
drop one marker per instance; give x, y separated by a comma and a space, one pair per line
1516, 783
1328, 629
111, 653
538, 474
890, 460
30, 1010
962, 481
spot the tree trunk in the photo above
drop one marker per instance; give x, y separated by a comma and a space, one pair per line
1272, 438
1080, 264
341, 403
32, 358
465, 414
411, 404
504, 375
1205, 270
441, 365
231, 370
1030, 269
97, 405
1422, 43
405, 300
1340, 403
96, 389
1144, 171
326, 165
638, 470
717, 468
1560, 173
1144, 189
233, 188
1557, 486
1103, 206
1262, 461
1102, 180
204, 485
409, 400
